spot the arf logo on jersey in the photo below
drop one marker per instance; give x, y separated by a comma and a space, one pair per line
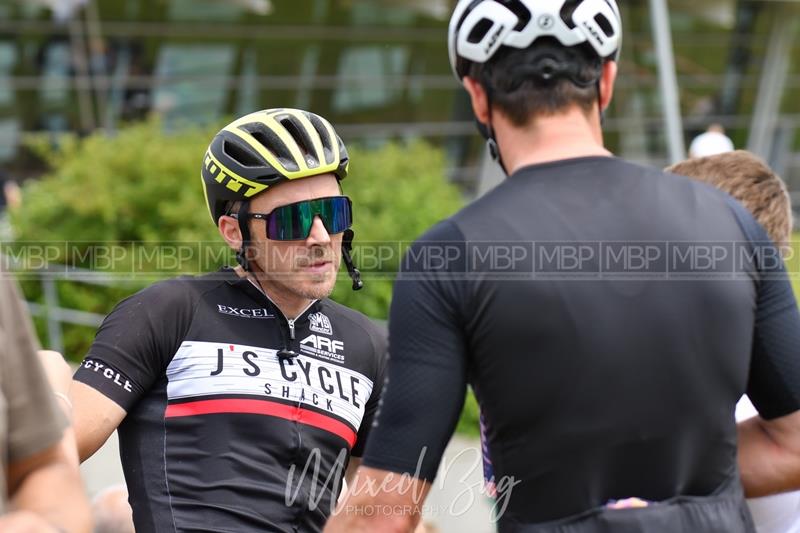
320, 323
323, 347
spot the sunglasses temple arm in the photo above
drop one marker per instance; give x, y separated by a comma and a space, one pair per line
347, 247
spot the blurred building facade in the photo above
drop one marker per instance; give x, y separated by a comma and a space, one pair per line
378, 69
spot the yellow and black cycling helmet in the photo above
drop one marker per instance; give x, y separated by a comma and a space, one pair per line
265, 148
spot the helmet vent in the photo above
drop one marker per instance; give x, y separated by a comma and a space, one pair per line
270, 140
479, 31
327, 146
300, 137
522, 13
241, 155
567, 10
604, 24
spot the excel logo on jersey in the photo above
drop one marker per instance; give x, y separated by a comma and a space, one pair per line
243, 312
320, 323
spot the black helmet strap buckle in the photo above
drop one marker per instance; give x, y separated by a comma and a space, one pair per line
347, 248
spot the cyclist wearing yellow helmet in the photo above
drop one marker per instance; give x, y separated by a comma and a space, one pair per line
241, 395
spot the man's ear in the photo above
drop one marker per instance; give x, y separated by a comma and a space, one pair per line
607, 80
229, 229
480, 101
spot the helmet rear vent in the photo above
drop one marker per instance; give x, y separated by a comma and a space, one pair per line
479, 31
604, 24
300, 137
327, 144
522, 13
271, 142
241, 155
567, 10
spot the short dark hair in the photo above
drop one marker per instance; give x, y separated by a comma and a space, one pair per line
524, 93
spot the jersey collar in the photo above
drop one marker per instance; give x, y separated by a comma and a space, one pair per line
247, 286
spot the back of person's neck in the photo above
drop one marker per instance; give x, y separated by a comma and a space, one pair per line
545, 139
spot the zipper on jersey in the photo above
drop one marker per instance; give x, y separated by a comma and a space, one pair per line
289, 322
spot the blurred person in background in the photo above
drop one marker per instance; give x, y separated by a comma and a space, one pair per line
59, 376
712, 142
753, 183
40, 487
240, 396
596, 389
111, 511
10, 198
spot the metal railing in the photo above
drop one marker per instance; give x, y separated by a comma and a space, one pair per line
51, 310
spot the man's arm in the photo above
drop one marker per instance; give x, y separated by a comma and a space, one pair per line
769, 455
43, 486
422, 397
59, 375
380, 500
94, 418
769, 445
130, 352
47, 485
352, 468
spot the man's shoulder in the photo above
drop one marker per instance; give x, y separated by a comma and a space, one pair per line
447, 230
537, 181
182, 290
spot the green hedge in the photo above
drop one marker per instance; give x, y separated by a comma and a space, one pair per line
793, 265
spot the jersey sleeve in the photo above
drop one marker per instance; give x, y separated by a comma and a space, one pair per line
426, 380
379, 342
774, 382
136, 341
33, 420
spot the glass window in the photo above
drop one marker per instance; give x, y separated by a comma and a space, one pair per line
55, 74
364, 77
191, 81
247, 97
9, 137
212, 10
8, 58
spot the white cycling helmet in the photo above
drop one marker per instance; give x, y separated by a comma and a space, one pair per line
478, 28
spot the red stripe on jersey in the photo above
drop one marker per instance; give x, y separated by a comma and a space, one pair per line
263, 407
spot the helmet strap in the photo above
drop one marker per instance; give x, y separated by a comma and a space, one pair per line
244, 229
347, 248
600, 102
487, 131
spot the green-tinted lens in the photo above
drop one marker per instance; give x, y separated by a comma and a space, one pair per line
293, 222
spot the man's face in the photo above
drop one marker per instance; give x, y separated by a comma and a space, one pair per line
306, 268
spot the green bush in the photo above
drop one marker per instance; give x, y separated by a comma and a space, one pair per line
398, 192
793, 265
